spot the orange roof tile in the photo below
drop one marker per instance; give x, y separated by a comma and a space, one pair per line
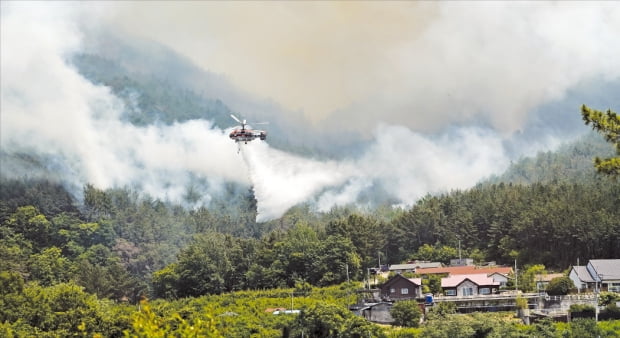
465, 270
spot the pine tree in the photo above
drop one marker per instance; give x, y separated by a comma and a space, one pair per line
608, 124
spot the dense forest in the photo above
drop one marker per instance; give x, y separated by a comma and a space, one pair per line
163, 250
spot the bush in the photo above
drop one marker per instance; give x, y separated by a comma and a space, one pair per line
560, 286
605, 298
582, 311
406, 313
581, 308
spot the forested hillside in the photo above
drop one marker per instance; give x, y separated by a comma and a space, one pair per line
571, 162
123, 246
171, 89
149, 98
161, 249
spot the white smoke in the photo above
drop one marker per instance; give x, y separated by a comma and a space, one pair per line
422, 64
282, 180
406, 164
49, 109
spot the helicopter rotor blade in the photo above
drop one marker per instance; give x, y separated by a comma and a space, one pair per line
236, 119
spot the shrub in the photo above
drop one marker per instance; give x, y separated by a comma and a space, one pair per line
406, 313
560, 286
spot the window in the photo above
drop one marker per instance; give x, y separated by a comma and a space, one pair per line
451, 292
485, 291
468, 291
392, 290
404, 291
613, 287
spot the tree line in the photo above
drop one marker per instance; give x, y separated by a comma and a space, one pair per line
118, 244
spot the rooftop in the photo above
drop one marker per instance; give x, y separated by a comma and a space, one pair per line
465, 270
583, 273
478, 279
608, 269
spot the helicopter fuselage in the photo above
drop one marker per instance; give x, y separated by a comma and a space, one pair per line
247, 135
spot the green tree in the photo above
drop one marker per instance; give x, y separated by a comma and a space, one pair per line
434, 284
452, 326
560, 286
14, 251
11, 296
436, 253
49, 267
606, 298
365, 232
443, 309
202, 266
71, 307
406, 313
527, 280
336, 256
32, 224
296, 254
608, 124
165, 282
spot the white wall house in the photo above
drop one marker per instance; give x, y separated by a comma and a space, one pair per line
598, 274
469, 285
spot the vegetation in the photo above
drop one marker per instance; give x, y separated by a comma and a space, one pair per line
117, 244
86, 265
560, 286
406, 313
608, 124
70, 268
66, 310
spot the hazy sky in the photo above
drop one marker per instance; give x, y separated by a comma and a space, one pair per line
419, 64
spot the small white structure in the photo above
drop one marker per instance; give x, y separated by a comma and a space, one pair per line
462, 262
413, 266
501, 278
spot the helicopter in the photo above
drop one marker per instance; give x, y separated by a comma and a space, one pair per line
244, 133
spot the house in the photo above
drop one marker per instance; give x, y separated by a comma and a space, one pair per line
581, 278
413, 266
462, 262
501, 278
602, 274
402, 268
606, 272
399, 287
542, 280
374, 312
464, 270
469, 285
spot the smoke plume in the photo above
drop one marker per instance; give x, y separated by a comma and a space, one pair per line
399, 88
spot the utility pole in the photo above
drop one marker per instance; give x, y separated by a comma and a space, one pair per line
516, 277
